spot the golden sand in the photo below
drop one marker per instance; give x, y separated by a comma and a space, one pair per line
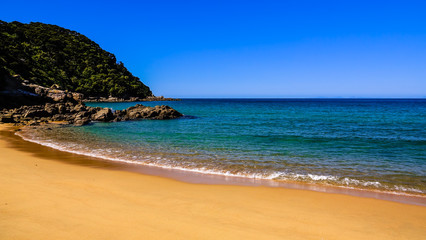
45, 199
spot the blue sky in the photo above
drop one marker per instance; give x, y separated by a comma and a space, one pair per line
253, 48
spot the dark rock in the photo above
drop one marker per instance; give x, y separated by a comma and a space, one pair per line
77, 96
92, 110
32, 113
117, 119
82, 121
120, 113
61, 108
54, 94
51, 109
16, 92
103, 115
7, 119
82, 114
79, 107
33, 123
157, 112
166, 112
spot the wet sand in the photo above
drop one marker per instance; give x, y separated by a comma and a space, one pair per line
31, 146
45, 199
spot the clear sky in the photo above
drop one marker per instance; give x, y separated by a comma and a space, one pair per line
253, 48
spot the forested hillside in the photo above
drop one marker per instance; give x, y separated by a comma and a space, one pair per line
48, 54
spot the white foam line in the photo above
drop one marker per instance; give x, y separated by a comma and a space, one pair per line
346, 182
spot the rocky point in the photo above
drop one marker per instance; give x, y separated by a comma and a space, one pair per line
65, 106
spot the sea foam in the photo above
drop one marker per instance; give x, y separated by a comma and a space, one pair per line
155, 161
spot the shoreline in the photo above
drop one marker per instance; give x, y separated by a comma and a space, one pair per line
196, 177
63, 199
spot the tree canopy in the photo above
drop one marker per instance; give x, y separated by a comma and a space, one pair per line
47, 54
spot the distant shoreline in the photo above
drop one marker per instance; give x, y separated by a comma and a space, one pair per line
296, 98
131, 99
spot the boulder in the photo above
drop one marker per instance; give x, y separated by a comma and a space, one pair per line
77, 96
82, 121
57, 95
79, 107
165, 112
103, 115
39, 90
158, 112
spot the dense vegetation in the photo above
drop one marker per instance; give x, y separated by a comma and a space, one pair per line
48, 54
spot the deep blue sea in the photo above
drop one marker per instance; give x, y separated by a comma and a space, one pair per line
377, 144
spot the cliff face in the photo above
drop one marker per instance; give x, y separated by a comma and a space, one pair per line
47, 54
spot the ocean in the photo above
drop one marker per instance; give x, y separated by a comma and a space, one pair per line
370, 144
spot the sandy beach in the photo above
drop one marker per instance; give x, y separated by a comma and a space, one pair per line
41, 198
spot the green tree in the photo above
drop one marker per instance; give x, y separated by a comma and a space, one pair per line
48, 54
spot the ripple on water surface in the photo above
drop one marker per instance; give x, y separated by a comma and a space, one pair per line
369, 144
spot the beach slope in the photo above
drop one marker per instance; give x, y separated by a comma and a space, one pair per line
45, 199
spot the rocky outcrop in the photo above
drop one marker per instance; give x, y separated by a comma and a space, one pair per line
80, 114
56, 95
30, 104
103, 115
16, 92
158, 112
130, 99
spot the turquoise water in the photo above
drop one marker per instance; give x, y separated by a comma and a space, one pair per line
358, 143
